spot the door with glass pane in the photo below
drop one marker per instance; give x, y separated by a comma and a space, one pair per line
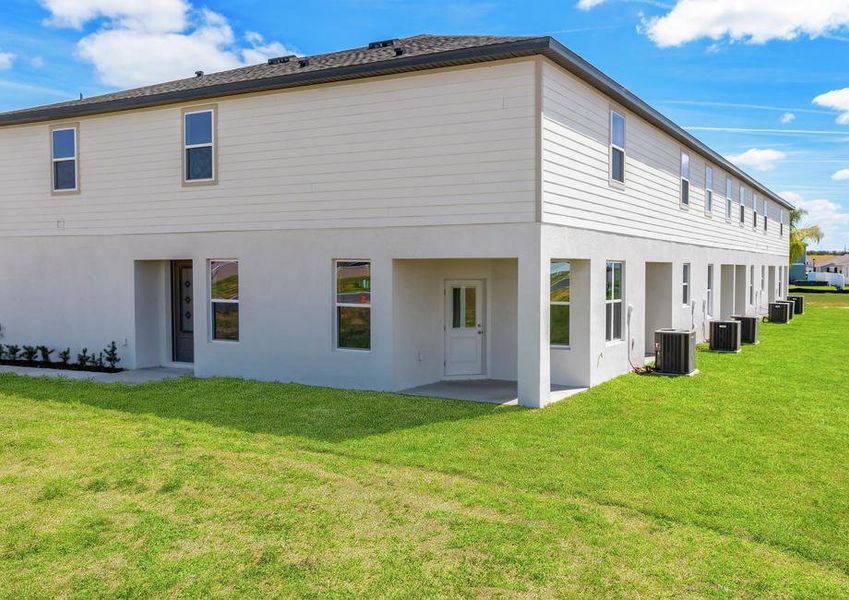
464, 321
182, 311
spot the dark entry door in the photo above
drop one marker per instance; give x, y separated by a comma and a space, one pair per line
182, 311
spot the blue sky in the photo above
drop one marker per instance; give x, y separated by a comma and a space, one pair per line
707, 64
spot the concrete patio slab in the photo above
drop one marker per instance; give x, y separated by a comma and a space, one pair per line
136, 376
491, 391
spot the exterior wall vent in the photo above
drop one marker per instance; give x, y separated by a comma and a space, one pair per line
725, 336
400, 50
279, 60
675, 351
381, 44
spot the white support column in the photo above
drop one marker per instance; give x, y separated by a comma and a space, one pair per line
534, 369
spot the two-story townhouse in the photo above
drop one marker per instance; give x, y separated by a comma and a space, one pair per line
422, 209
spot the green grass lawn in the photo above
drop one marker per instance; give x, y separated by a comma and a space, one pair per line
734, 483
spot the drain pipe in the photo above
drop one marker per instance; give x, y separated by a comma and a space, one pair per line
630, 337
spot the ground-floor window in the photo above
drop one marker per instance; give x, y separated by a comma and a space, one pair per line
751, 284
685, 286
613, 301
560, 286
353, 304
224, 299
710, 290
763, 281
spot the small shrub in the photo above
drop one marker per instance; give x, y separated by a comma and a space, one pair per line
83, 357
65, 356
13, 352
45, 353
2, 351
110, 354
97, 362
29, 353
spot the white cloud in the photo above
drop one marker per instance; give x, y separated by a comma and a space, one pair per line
788, 117
140, 42
36, 62
832, 218
841, 175
6, 59
837, 100
757, 158
588, 4
749, 21
139, 15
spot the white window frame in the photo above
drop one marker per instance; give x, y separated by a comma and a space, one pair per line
742, 206
75, 128
752, 285
337, 305
763, 280
766, 216
729, 197
614, 147
609, 321
686, 287
781, 227
708, 190
754, 210
213, 301
684, 179
561, 303
211, 144
711, 274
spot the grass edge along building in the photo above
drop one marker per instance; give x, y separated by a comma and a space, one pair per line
418, 210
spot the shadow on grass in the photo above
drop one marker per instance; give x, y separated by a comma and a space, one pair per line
323, 414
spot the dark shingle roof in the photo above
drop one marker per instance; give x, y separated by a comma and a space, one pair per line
416, 46
420, 52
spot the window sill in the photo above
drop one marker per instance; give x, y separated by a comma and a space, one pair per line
612, 343
560, 347
353, 350
228, 342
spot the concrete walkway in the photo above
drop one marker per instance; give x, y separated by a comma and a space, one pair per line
492, 391
136, 376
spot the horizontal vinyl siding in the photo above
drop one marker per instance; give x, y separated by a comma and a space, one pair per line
448, 147
577, 192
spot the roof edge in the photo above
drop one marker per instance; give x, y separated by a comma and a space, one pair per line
545, 45
585, 71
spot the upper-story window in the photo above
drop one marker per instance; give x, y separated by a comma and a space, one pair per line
708, 189
199, 145
685, 179
617, 147
742, 205
781, 226
63, 153
754, 210
729, 196
766, 215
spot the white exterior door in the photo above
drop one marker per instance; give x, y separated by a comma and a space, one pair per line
464, 321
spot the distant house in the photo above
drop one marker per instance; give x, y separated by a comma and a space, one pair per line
837, 264
416, 210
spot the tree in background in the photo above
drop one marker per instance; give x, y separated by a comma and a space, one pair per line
801, 236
